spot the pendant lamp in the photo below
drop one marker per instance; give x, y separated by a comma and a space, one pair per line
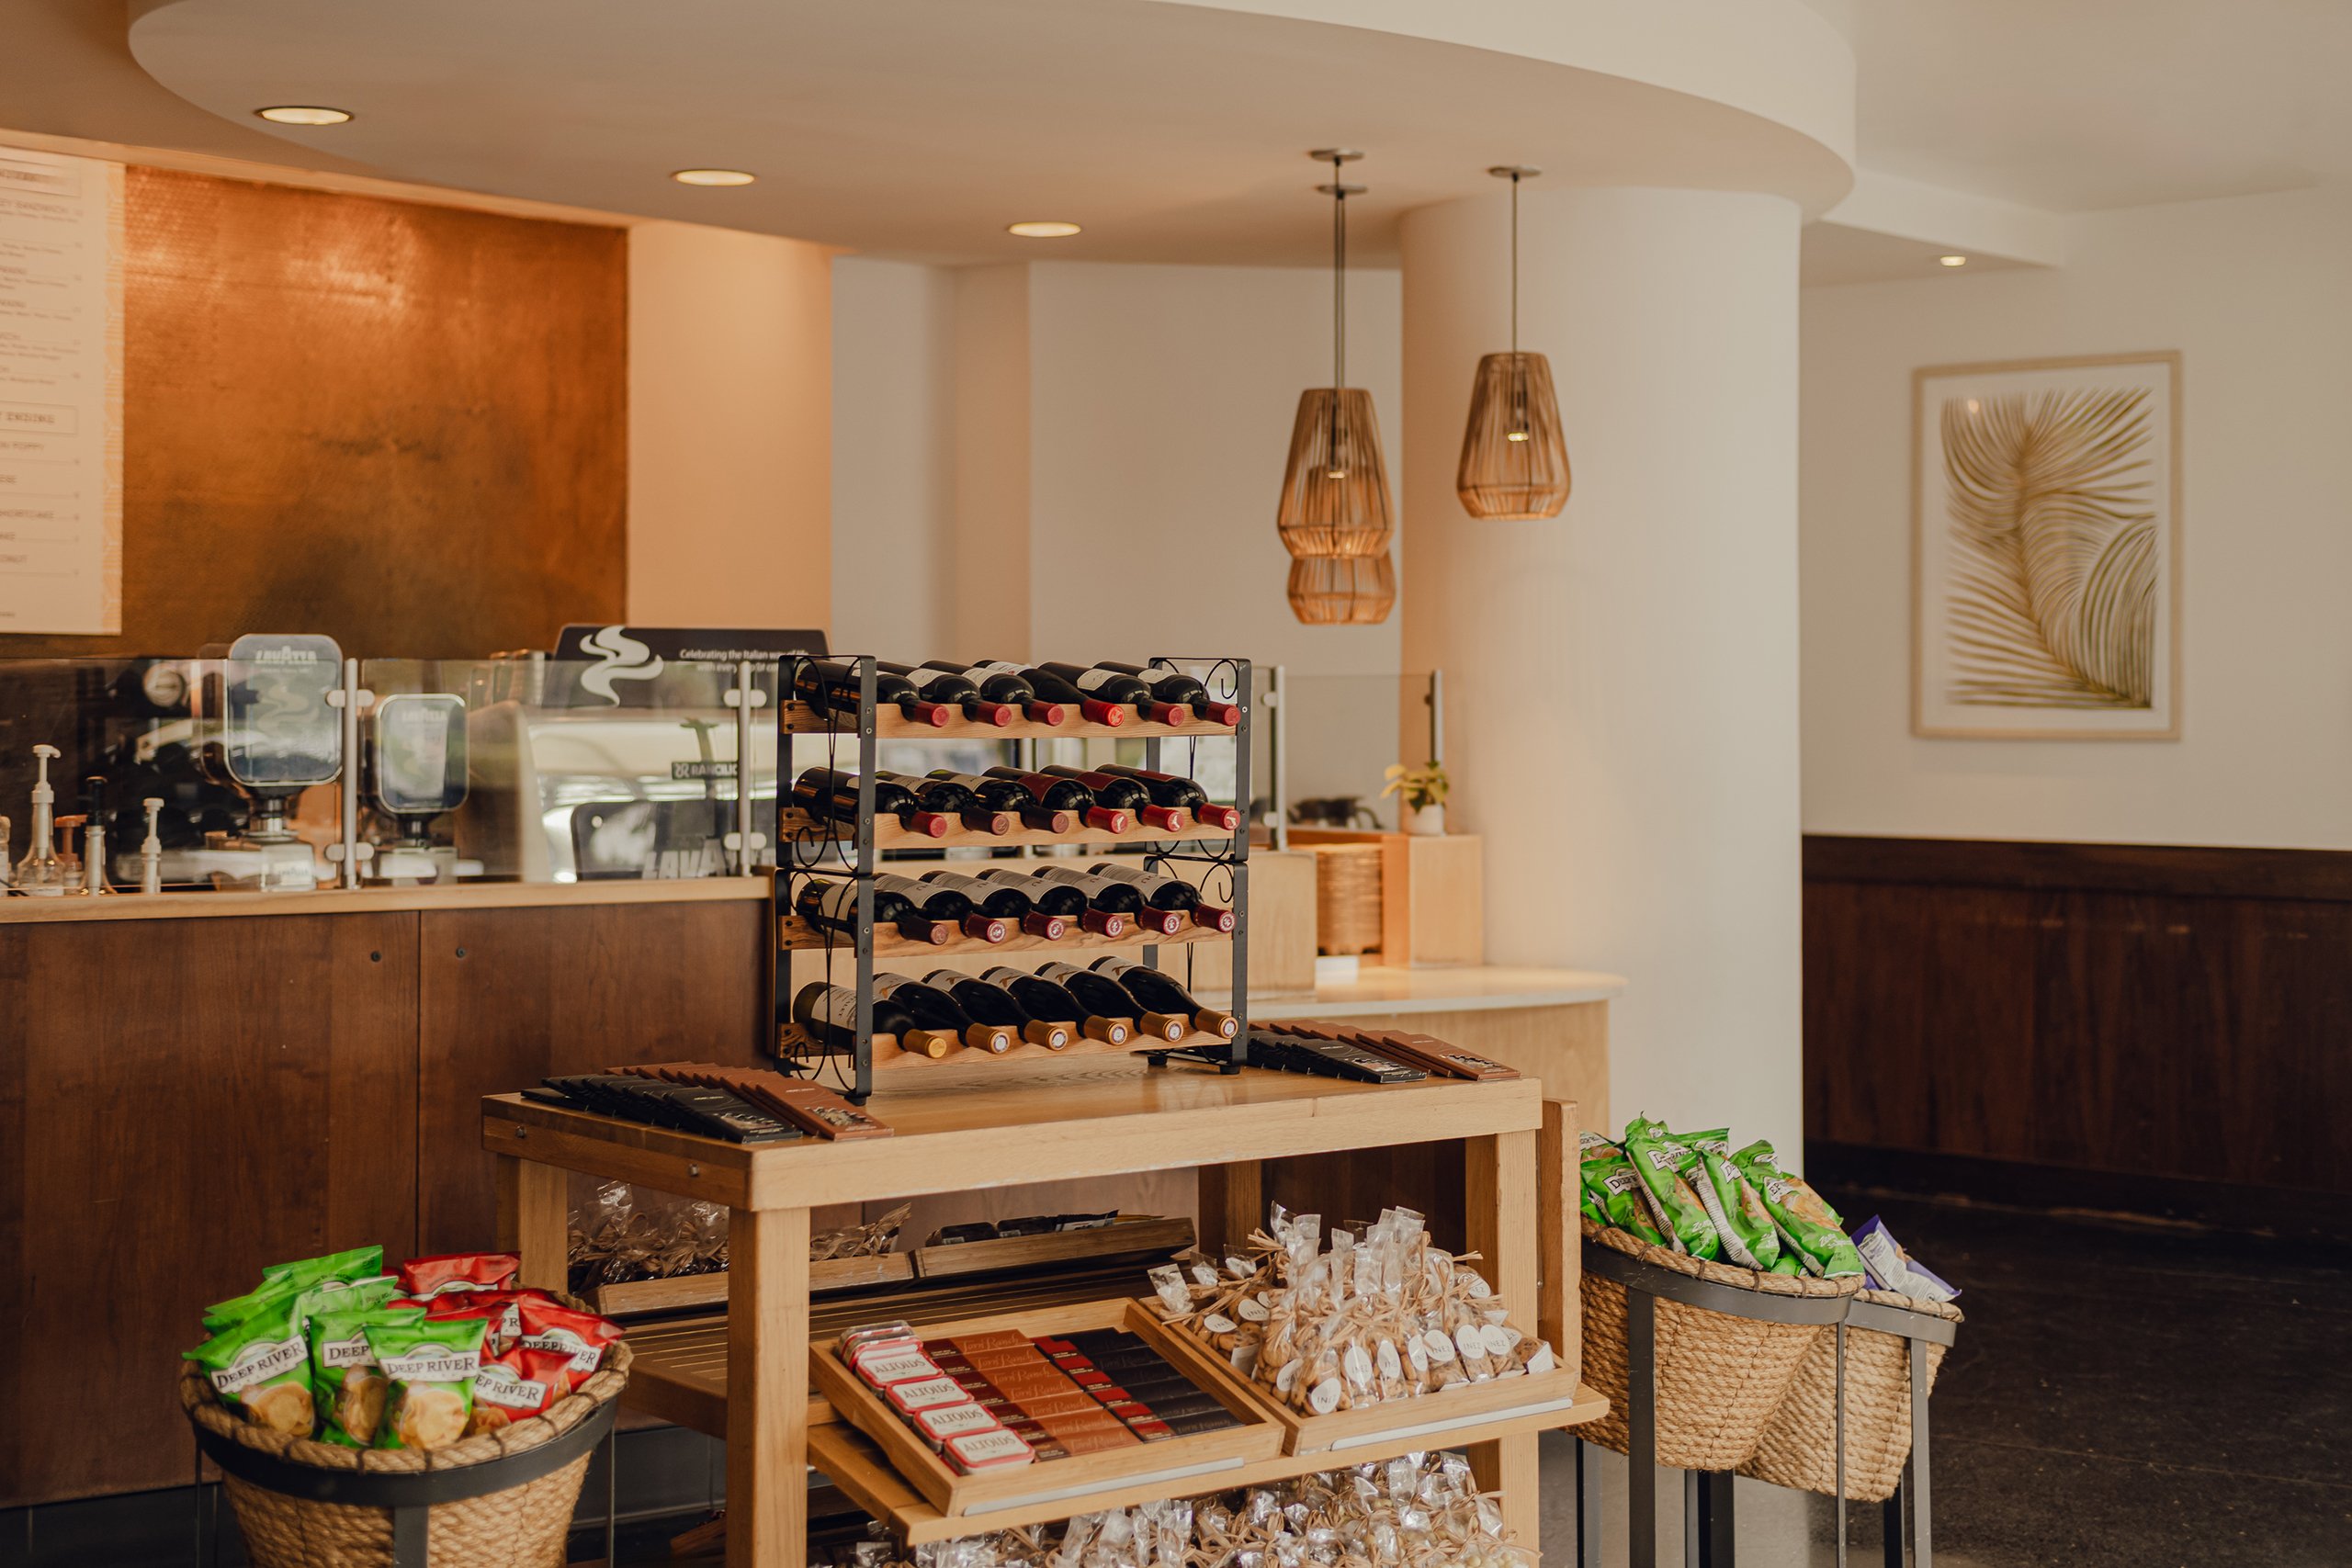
1334, 497
1342, 591
1514, 459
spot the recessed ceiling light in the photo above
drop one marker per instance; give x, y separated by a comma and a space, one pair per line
1043, 228
303, 114
1953, 261
713, 178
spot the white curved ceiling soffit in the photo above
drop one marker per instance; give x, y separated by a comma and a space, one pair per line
1174, 130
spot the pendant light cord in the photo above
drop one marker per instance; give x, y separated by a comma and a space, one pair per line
1338, 275
1514, 265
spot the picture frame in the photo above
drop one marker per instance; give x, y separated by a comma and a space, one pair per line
2046, 570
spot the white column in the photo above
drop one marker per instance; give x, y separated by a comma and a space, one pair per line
1622, 720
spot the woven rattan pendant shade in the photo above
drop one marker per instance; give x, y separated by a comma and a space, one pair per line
1342, 591
1514, 463
1514, 458
1334, 491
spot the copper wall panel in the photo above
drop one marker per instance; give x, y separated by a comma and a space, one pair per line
403, 425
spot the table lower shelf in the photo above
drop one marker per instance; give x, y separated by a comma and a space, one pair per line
856, 1465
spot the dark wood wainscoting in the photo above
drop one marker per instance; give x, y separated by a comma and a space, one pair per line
2179, 1014
183, 1102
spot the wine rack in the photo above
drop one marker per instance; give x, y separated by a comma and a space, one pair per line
814, 847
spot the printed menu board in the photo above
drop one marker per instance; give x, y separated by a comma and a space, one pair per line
61, 394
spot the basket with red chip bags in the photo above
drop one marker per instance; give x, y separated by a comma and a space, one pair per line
427, 1278
579, 1336
503, 1307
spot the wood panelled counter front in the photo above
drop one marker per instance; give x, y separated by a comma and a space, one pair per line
183, 1101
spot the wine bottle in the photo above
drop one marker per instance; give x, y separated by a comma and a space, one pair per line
1125, 795
830, 904
1042, 996
1071, 903
1168, 893
991, 1001
1102, 995
830, 795
954, 691
829, 1014
1107, 893
1002, 682
1113, 686
1003, 794
830, 686
947, 798
943, 905
1066, 794
1173, 686
1004, 901
1173, 789
1054, 688
1166, 999
935, 1011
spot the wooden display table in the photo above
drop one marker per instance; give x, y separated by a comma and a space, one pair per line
1002, 1125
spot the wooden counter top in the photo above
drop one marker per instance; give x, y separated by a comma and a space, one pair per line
1379, 991
16, 910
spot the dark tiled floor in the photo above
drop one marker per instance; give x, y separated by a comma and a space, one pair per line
2120, 1395
2134, 1394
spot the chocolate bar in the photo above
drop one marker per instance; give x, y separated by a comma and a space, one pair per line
1433, 1055
802, 1102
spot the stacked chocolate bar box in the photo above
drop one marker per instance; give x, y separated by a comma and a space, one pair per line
995, 1400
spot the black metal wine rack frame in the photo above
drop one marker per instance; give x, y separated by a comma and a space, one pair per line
804, 854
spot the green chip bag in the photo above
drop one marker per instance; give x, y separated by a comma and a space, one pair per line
271, 1294
359, 1263
1808, 1227
1743, 1230
1739, 1216
1612, 1193
1787, 1262
429, 1368
342, 1296
261, 1366
347, 1385
1656, 1157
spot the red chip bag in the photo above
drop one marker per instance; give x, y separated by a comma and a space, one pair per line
581, 1336
426, 1278
503, 1307
516, 1387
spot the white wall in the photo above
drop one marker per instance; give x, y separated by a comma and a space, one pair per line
2257, 294
729, 410
1622, 682
1162, 399
894, 445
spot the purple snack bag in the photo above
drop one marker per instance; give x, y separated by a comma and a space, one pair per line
1892, 1269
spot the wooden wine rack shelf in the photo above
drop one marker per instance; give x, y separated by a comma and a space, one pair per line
890, 834
796, 933
890, 724
887, 1054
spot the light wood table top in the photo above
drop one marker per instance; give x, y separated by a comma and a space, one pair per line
997, 1125
1381, 991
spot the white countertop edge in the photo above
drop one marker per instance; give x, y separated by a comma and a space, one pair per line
1560, 987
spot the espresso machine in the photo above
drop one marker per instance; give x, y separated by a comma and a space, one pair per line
277, 734
416, 771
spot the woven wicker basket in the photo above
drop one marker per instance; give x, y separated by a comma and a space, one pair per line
1721, 1379
1799, 1448
1346, 897
522, 1526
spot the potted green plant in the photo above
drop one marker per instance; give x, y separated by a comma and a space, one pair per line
1422, 793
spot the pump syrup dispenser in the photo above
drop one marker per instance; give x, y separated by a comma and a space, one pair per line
151, 851
41, 874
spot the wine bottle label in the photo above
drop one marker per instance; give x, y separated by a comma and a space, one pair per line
994, 667
838, 903
836, 1006
1095, 679
885, 985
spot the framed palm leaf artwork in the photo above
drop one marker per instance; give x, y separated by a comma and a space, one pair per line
2046, 549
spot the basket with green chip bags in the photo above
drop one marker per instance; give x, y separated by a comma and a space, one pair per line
1683, 1202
